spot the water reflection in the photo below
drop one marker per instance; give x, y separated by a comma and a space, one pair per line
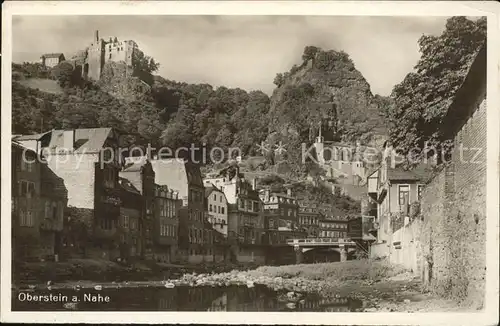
233, 298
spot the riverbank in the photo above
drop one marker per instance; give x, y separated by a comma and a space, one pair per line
378, 284
99, 271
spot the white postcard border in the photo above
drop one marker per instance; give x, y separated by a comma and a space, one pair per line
361, 8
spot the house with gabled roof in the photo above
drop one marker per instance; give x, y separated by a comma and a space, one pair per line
51, 59
88, 162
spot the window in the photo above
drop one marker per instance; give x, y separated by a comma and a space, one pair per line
220, 198
218, 209
149, 207
255, 206
26, 164
54, 211
30, 220
222, 210
109, 178
210, 208
47, 209
215, 197
404, 194
126, 221
26, 189
29, 166
419, 191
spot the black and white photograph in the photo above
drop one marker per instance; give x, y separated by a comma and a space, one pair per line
267, 162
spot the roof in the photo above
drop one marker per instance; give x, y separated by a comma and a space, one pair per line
135, 164
126, 185
89, 140
52, 185
21, 147
177, 174
372, 172
52, 55
421, 172
283, 195
29, 137
210, 189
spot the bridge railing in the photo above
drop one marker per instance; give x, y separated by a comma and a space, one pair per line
317, 240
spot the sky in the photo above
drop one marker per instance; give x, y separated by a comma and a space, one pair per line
238, 51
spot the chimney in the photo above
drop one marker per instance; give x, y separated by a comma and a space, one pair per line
69, 140
96, 36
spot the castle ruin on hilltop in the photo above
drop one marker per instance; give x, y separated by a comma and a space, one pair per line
99, 52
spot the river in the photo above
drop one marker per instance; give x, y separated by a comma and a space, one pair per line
183, 298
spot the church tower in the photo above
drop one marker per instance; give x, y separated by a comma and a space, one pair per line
319, 148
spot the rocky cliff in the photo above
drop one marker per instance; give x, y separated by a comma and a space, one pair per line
119, 80
326, 90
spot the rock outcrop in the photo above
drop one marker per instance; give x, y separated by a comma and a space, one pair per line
326, 90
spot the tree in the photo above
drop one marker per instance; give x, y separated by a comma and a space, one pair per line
421, 100
143, 63
153, 66
65, 74
278, 80
310, 52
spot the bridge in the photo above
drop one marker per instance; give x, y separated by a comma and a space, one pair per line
342, 246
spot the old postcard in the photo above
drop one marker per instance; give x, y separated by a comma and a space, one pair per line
289, 162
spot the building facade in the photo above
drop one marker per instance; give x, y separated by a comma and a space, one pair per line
246, 229
139, 172
333, 228
283, 205
166, 224
39, 199
129, 224
195, 235
216, 202
397, 192
340, 160
282, 216
51, 60
309, 219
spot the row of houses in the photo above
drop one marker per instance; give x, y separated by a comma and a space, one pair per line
72, 198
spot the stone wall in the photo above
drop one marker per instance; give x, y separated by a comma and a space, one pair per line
454, 213
445, 244
404, 246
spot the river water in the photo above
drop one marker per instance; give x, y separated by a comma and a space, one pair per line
233, 298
